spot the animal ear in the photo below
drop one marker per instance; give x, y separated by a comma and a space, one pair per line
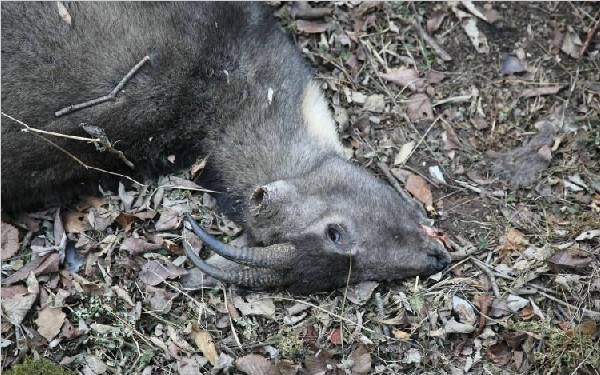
264, 197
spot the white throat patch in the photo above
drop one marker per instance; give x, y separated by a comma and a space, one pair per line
317, 117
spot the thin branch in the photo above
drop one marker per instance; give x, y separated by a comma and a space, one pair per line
591, 33
28, 129
490, 275
393, 181
111, 96
428, 39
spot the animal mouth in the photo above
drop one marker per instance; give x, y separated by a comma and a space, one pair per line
436, 235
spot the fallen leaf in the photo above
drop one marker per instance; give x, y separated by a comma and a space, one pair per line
412, 355
435, 21
401, 335
254, 364
205, 343
564, 261
405, 77
138, 246
362, 360
500, 354
10, 241
375, 103
452, 326
310, 27
540, 91
360, 293
588, 235
154, 272
515, 240
404, 153
464, 310
125, 221
73, 221
193, 365
40, 266
317, 364
571, 44
418, 187
336, 336
169, 220
95, 365
14, 290
161, 301
255, 305
125, 197
418, 108
50, 320
17, 307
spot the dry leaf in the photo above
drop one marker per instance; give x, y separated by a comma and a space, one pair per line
405, 77
154, 272
435, 21
125, 221
540, 91
17, 307
418, 187
418, 108
254, 364
310, 27
50, 320
362, 360
303, 10
401, 335
138, 246
10, 241
511, 65
255, 305
404, 153
169, 220
205, 343
336, 336
515, 240
588, 235
571, 44
563, 261
73, 222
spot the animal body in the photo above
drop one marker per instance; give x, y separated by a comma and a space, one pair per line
224, 81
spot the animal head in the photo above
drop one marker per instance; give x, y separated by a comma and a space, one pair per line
335, 224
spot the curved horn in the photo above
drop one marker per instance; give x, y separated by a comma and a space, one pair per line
276, 256
250, 278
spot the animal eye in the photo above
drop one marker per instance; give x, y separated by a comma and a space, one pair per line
334, 234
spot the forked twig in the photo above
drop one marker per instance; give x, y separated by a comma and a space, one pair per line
111, 96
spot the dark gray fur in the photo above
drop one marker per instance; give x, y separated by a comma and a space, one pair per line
183, 103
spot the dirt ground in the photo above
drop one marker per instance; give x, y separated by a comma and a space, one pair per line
487, 113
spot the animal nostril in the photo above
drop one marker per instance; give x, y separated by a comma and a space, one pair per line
439, 260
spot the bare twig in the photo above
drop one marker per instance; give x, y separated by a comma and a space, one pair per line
380, 313
392, 180
111, 96
490, 275
591, 33
428, 39
102, 138
70, 154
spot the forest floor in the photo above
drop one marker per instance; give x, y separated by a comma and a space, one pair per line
489, 114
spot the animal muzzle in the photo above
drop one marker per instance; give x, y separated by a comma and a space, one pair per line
438, 256
269, 264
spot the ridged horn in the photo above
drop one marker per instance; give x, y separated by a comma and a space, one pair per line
249, 277
278, 256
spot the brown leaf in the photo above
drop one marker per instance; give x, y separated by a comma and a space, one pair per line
161, 301
17, 307
540, 91
40, 266
571, 44
138, 246
451, 140
515, 240
317, 363
198, 167
563, 261
14, 290
310, 27
500, 354
405, 77
557, 40
254, 364
50, 320
435, 21
418, 187
169, 220
362, 360
154, 272
205, 343
336, 336
10, 241
125, 221
73, 222
418, 108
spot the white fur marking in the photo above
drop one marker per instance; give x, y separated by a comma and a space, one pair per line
317, 117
